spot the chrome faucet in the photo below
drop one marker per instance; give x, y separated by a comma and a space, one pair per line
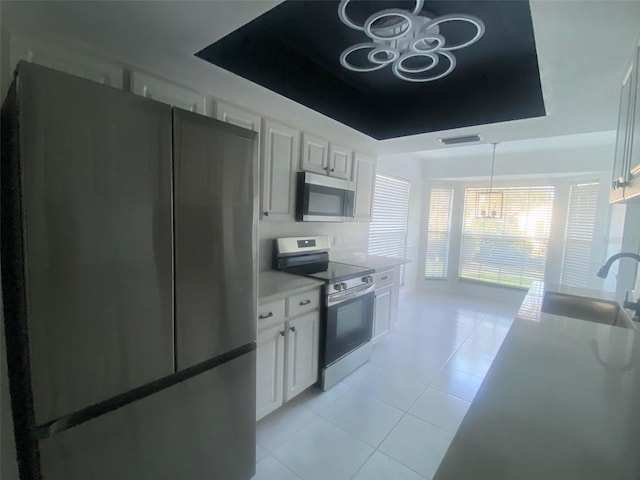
604, 271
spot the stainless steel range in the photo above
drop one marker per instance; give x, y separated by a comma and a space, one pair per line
347, 313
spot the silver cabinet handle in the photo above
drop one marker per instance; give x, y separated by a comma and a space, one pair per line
261, 317
384, 278
306, 302
293, 329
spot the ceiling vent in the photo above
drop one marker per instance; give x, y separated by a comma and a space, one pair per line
458, 140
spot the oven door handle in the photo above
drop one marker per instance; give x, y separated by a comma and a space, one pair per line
336, 299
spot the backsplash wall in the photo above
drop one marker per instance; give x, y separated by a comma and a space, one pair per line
348, 238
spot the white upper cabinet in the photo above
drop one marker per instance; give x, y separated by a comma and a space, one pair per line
320, 156
365, 177
280, 153
340, 162
63, 60
625, 184
237, 116
167, 92
632, 189
315, 154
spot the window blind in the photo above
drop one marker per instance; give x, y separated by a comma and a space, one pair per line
390, 215
505, 234
438, 232
578, 238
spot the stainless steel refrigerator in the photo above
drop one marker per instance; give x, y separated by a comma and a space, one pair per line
129, 278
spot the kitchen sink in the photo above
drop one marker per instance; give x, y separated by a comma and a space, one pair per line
585, 308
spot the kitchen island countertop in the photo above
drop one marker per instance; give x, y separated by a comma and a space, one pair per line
560, 401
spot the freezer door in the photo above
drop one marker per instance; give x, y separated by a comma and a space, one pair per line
215, 204
96, 179
202, 428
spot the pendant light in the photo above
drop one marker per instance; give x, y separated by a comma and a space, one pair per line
493, 206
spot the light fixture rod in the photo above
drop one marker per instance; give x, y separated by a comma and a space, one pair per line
493, 164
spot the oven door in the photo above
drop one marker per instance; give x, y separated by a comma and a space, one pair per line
323, 199
349, 324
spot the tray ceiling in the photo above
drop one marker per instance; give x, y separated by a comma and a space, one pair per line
294, 50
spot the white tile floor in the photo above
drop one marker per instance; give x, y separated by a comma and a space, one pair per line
395, 417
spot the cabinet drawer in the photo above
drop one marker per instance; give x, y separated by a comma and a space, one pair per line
384, 279
270, 312
303, 302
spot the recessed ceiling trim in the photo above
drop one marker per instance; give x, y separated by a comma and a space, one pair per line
296, 48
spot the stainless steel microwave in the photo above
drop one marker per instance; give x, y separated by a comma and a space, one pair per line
323, 199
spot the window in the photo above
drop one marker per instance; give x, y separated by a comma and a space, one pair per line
388, 227
505, 234
438, 233
578, 237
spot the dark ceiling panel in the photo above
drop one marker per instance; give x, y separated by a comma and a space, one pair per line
294, 50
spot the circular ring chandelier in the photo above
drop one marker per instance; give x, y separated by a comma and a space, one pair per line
399, 35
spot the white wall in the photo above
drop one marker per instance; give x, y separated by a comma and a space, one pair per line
352, 238
410, 169
548, 162
545, 157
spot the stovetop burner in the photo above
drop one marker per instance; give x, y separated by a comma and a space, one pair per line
309, 256
330, 272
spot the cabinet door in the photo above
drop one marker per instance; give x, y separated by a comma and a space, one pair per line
214, 237
621, 165
237, 116
270, 370
63, 60
365, 178
302, 353
382, 312
340, 162
280, 155
98, 228
315, 154
166, 92
632, 189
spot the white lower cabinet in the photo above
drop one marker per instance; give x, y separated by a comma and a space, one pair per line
287, 356
387, 293
270, 370
382, 312
302, 353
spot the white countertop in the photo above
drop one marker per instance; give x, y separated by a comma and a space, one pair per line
561, 401
273, 285
376, 262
